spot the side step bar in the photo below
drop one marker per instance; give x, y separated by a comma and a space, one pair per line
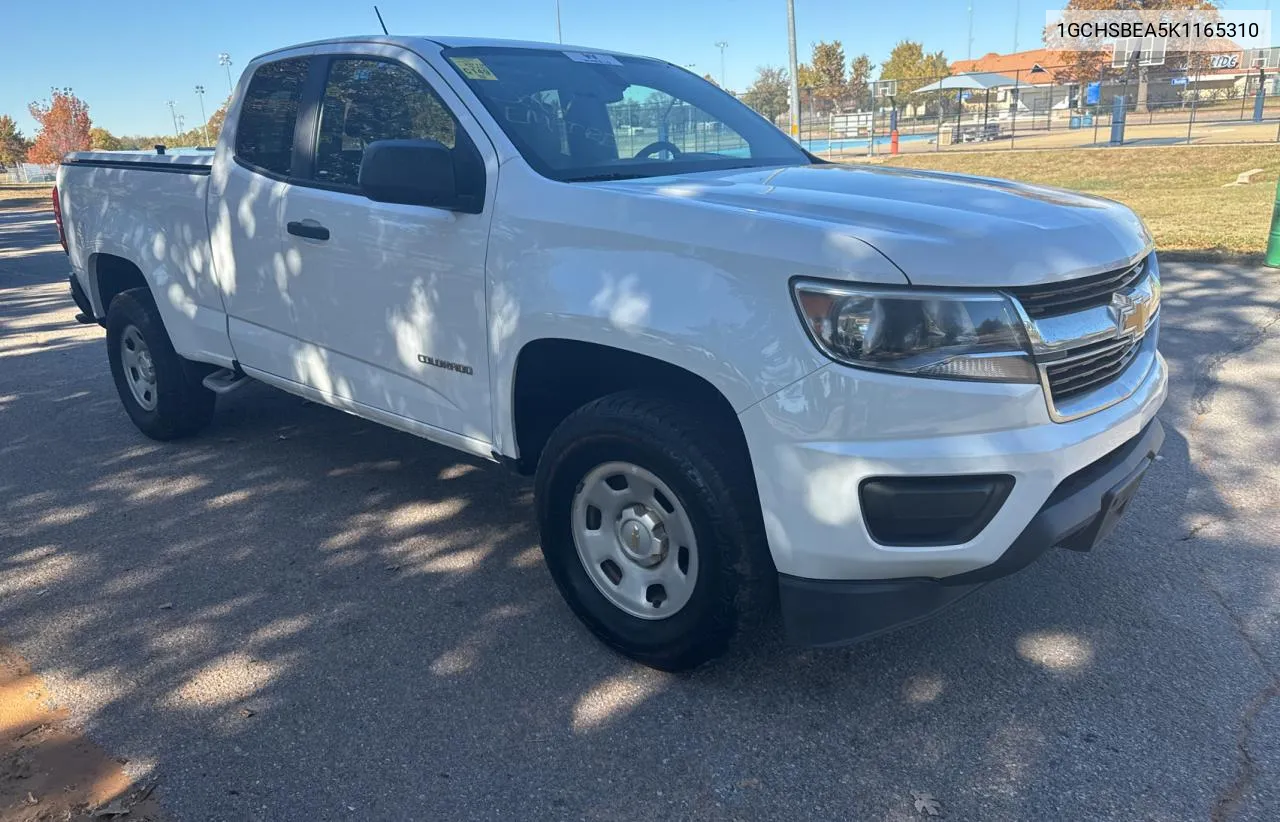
225, 380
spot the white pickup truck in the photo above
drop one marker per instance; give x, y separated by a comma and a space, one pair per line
746, 380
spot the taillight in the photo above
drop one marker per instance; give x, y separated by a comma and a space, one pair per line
57, 219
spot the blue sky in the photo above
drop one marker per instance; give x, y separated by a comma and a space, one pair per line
127, 59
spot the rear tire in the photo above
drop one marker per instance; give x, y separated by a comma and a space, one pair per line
161, 391
701, 555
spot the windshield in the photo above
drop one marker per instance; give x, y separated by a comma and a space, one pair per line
578, 116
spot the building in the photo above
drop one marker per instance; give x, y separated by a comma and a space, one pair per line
1039, 87
1044, 85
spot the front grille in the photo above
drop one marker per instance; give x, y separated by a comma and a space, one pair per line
1054, 299
1090, 367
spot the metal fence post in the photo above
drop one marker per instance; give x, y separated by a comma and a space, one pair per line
1273, 243
1195, 98
1013, 108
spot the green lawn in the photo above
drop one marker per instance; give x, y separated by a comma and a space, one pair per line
22, 195
1178, 190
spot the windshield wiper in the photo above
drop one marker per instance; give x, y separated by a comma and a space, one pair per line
612, 175
631, 175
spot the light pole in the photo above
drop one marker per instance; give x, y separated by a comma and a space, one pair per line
224, 60
174, 114
559, 36
722, 45
969, 51
1017, 17
203, 118
795, 76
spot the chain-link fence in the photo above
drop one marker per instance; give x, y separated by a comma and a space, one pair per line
28, 173
1047, 107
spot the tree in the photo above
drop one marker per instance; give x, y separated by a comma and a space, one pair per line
710, 79
912, 67
768, 92
216, 121
806, 77
102, 140
64, 127
829, 71
860, 78
13, 146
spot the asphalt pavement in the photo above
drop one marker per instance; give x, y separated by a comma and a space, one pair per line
303, 616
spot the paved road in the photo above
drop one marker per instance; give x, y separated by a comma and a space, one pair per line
380, 606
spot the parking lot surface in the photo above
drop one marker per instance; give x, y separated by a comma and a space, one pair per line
302, 616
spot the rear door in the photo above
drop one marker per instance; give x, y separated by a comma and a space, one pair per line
246, 205
389, 298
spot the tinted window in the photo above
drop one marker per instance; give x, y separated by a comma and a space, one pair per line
370, 100
584, 116
264, 133
647, 117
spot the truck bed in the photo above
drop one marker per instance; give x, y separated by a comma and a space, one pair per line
148, 209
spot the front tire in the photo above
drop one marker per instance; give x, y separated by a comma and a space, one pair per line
651, 529
161, 391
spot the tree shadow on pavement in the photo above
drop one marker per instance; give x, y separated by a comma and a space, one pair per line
301, 615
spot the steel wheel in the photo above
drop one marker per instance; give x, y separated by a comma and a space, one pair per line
635, 540
139, 368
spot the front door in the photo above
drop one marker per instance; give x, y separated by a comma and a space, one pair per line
389, 299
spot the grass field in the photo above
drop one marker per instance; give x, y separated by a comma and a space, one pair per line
1178, 191
25, 195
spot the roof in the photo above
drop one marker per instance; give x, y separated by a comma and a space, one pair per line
984, 81
410, 42
1037, 67
1021, 65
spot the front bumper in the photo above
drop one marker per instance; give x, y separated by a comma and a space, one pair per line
816, 442
1079, 512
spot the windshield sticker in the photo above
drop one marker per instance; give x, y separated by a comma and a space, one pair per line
473, 68
590, 57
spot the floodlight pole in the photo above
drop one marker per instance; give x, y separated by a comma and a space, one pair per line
203, 118
722, 45
224, 60
795, 76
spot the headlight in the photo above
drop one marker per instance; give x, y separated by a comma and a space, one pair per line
951, 335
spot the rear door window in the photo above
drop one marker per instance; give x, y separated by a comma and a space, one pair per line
264, 132
370, 100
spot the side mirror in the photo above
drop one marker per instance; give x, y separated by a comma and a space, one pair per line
412, 172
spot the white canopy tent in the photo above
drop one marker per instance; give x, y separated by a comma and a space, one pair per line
983, 81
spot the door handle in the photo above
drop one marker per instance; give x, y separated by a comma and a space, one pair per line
309, 229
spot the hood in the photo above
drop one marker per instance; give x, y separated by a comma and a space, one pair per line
940, 229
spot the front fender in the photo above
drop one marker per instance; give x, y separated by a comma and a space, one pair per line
697, 286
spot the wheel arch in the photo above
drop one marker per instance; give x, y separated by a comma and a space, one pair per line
555, 376
110, 275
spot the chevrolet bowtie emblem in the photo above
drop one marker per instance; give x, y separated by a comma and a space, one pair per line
1131, 314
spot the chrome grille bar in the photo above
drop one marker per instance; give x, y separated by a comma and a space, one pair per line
1056, 299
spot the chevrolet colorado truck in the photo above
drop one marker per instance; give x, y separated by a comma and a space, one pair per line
746, 381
